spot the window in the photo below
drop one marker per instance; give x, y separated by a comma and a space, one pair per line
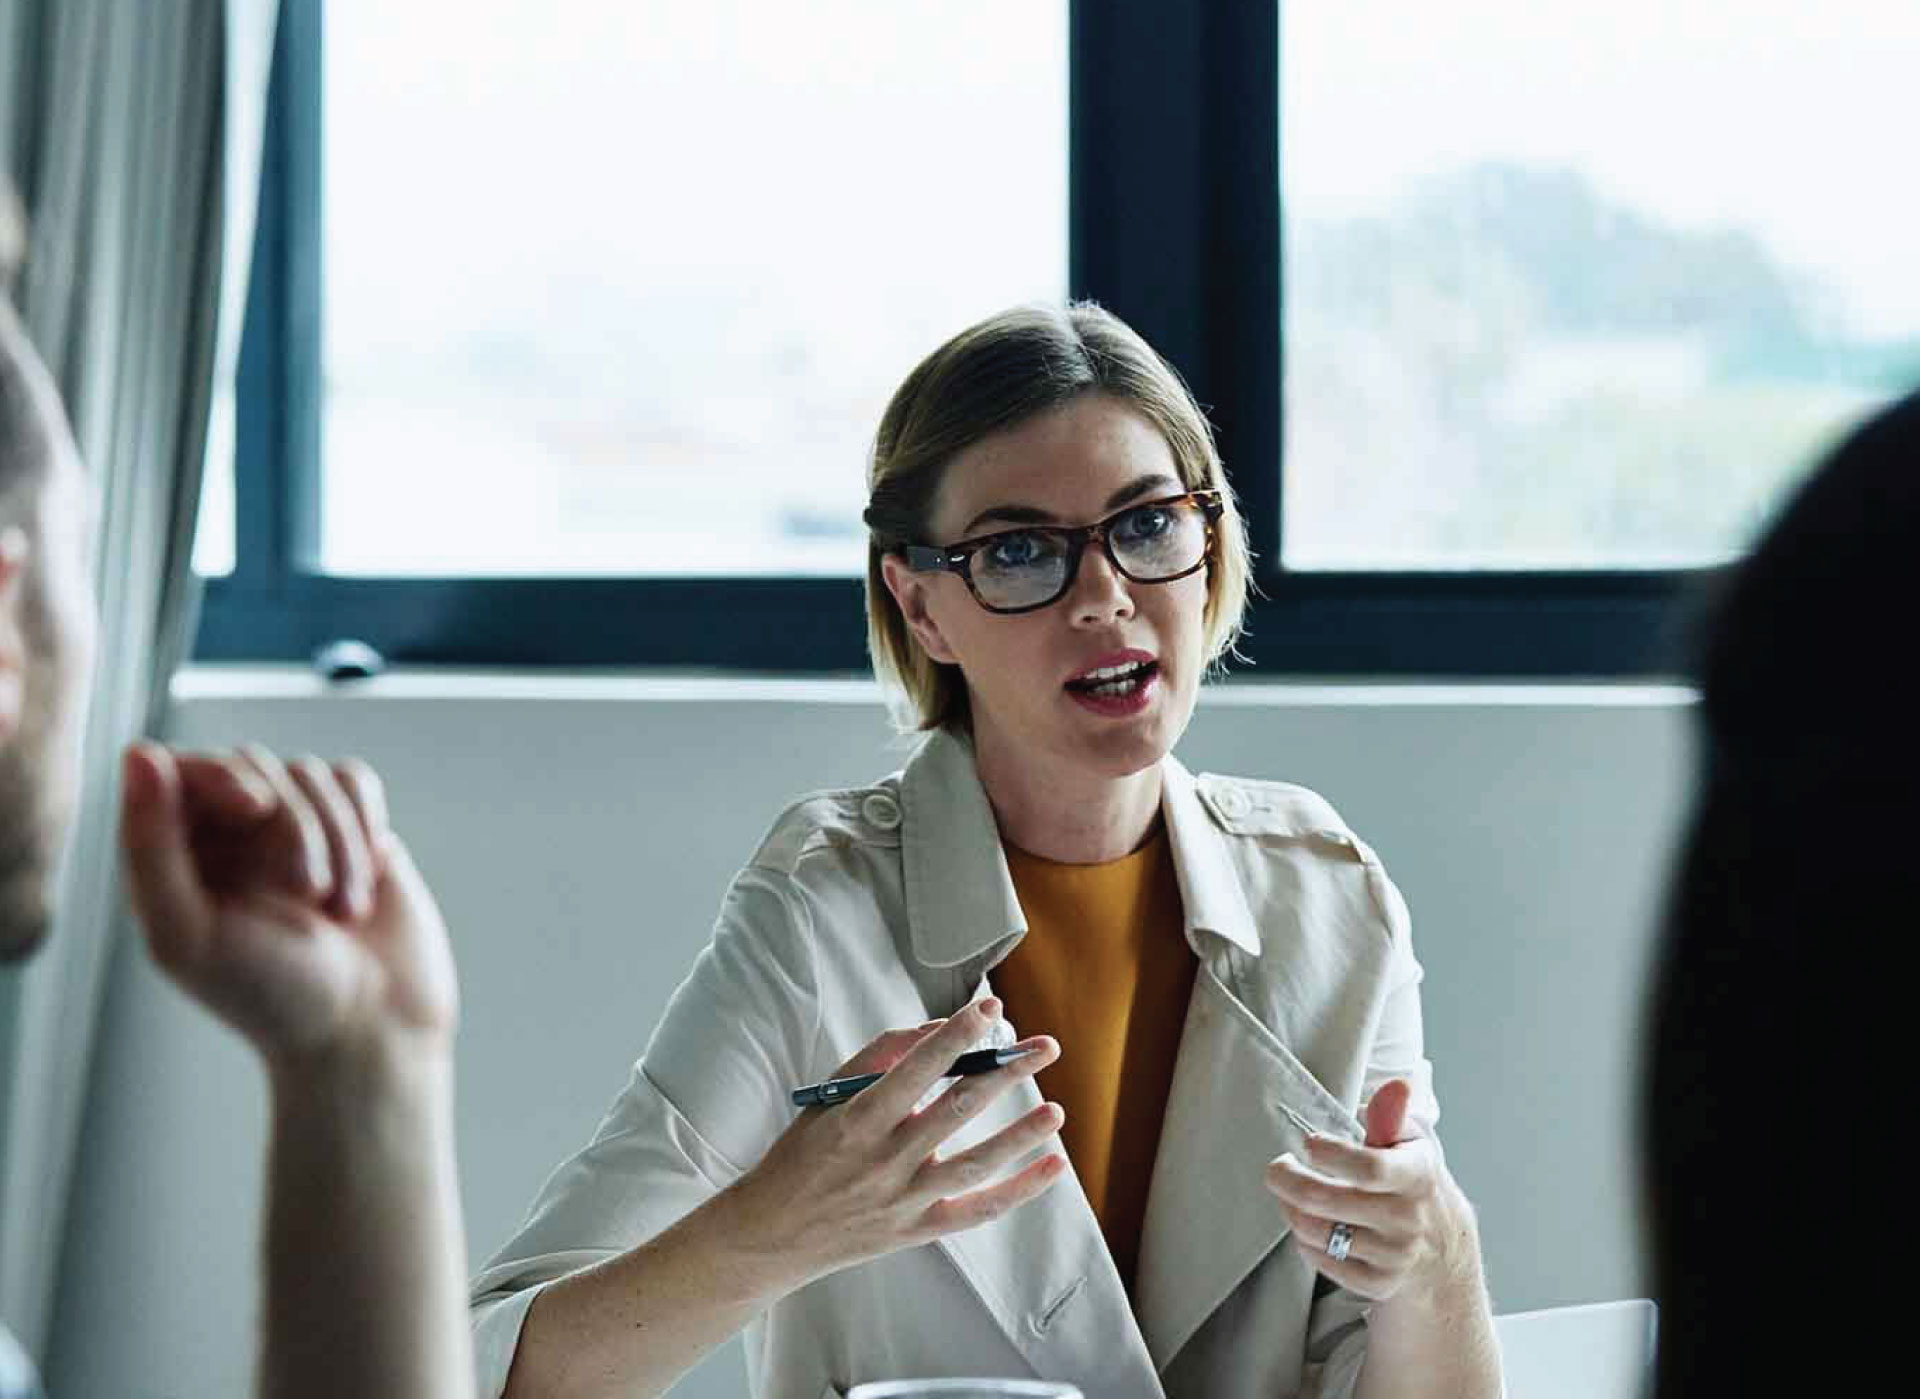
567, 334
622, 288
1582, 285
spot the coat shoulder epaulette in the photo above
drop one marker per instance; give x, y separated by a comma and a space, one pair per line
831, 820
1249, 806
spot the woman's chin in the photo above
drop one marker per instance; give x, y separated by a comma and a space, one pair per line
1119, 750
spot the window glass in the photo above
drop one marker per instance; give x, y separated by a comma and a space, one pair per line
1584, 284
622, 286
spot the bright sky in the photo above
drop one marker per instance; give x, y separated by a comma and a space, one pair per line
1795, 119
849, 144
848, 163
711, 235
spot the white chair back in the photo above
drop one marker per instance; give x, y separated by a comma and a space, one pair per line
1602, 1351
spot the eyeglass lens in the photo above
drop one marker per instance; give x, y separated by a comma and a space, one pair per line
1150, 543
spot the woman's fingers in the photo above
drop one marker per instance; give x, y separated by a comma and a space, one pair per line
1354, 1274
1304, 1190
347, 852
959, 1212
1385, 1170
1314, 1232
885, 1050
890, 1101
970, 1096
979, 1164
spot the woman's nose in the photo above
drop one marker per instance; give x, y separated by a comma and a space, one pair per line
1102, 593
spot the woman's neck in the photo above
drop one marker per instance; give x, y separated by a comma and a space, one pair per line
1071, 818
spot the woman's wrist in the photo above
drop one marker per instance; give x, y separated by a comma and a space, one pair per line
753, 1240
1454, 1271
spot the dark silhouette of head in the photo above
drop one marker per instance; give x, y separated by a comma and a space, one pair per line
1780, 1209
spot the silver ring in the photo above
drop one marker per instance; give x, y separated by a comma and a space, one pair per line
1340, 1242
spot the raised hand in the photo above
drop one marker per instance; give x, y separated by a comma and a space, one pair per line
277, 895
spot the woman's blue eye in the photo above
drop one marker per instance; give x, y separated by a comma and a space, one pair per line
1014, 551
1148, 522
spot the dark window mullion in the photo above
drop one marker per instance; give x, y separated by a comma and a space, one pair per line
1139, 179
1241, 257
276, 412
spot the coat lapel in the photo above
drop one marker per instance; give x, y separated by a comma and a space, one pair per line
1042, 1272
1239, 1098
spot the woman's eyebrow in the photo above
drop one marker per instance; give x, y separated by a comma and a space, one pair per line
1033, 515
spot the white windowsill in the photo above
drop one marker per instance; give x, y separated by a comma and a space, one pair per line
235, 682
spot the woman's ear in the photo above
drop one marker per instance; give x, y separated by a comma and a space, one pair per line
909, 591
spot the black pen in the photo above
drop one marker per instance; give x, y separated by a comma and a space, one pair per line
838, 1090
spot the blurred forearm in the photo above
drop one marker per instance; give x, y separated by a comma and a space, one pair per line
365, 1251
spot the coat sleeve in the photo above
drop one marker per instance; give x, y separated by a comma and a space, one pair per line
703, 1104
1337, 1328
1399, 1043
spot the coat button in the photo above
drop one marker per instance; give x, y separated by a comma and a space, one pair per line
1233, 802
881, 811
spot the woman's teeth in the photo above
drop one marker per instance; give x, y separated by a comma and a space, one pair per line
1114, 680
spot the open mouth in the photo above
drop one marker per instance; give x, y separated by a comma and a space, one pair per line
1115, 681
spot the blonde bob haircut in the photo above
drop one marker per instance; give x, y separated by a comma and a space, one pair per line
994, 376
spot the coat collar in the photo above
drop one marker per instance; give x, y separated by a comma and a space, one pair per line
960, 898
1211, 889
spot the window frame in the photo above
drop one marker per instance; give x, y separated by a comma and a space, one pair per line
1174, 222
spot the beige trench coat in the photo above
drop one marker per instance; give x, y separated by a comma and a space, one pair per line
889, 905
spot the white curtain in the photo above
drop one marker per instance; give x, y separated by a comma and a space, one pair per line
131, 129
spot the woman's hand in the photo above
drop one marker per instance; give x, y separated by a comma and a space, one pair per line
1412, 1226
848, 1183
277, 895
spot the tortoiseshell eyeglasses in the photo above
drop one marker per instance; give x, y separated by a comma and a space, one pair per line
1024, 569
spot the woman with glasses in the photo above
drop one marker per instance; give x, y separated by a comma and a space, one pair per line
1230, 1187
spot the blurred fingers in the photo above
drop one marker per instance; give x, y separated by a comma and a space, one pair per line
306, 865
348, 855
224, 787
368, 794
163, 882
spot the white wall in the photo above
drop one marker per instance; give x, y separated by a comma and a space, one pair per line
580, 832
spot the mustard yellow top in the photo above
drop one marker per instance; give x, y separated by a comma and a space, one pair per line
1105, 969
